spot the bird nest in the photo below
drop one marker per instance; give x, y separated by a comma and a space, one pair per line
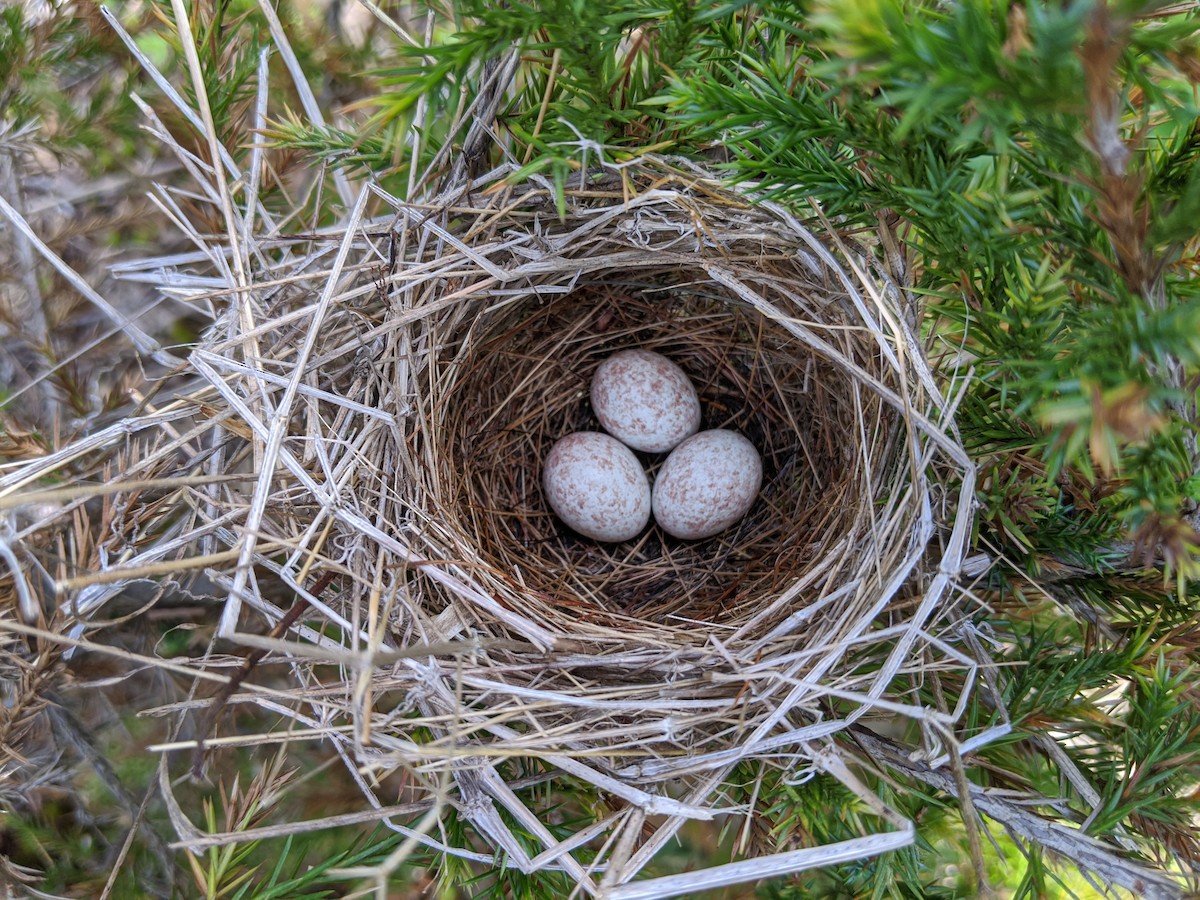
377, 408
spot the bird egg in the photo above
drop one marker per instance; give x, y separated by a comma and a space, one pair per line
707, 484
597, 487
645, 400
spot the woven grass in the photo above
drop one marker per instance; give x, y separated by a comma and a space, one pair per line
366, 420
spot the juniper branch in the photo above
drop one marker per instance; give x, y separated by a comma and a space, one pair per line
1086, 852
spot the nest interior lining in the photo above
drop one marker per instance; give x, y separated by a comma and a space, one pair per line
522, 383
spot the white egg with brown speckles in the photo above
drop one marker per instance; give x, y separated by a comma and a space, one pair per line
708, 483
597, 487
645, 400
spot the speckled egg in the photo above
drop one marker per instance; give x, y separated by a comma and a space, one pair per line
645, 401
597, 487
707, 484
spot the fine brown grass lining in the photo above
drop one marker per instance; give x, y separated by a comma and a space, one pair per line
522, 383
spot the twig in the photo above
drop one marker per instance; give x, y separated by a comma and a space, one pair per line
69, 731
970, 818
139, 823
253, 658
139, 338
148, 570
312, 109
76, 492
27, 605
279, 422
1085, 851
34, 315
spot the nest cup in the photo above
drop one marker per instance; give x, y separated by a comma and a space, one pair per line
499, 337
522, 382
634, 659
391, 413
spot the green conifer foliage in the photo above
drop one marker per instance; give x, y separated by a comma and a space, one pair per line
1037, 162
1036, 159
